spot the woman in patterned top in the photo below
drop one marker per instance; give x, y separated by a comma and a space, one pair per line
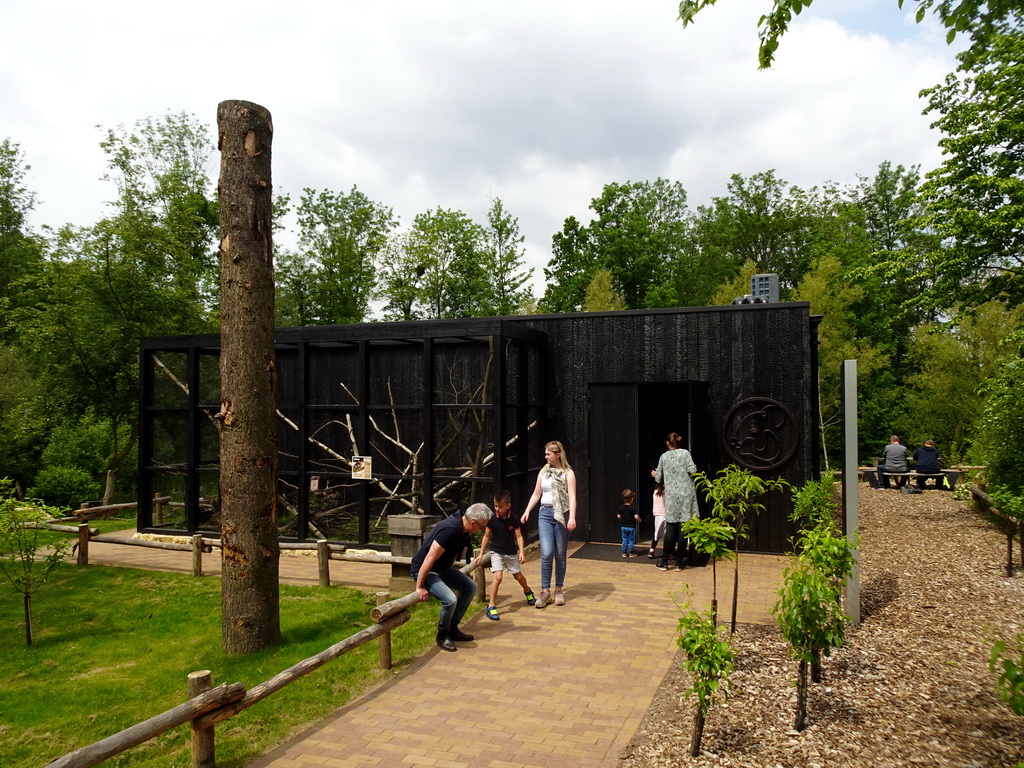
674, 469
556, 492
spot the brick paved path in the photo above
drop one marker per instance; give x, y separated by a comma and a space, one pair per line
562, 686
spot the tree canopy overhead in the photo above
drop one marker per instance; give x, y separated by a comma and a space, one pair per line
978, 18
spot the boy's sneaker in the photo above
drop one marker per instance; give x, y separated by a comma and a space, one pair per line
492, 613
632, 554
531, 598
624, 554
662, 566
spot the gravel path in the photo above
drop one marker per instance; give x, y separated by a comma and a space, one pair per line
912, 685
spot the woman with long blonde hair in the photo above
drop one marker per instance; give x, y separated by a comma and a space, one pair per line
556, 492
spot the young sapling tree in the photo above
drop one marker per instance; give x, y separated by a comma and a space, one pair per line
734, 495
711, 536
709, 659
811, 620
22, 559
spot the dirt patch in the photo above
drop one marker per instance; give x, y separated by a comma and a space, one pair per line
910, 688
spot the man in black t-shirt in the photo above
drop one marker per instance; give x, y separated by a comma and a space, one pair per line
434, 572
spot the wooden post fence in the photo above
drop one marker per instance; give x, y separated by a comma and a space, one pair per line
197, 554
384, 641
323, 561
83, 543
203, 755
208, 706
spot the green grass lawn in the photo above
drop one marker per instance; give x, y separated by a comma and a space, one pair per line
114, 646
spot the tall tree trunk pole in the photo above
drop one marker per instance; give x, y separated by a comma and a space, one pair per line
250, 619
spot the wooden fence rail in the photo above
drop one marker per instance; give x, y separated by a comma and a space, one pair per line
1010, 525
148, 729
205, 708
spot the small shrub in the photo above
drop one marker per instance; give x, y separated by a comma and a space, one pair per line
64, 486
1008, 661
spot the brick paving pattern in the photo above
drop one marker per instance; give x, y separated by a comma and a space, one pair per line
564, 686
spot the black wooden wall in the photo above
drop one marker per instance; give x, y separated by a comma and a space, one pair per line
748, 374
763, 351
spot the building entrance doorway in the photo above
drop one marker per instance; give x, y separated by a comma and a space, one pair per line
628, 425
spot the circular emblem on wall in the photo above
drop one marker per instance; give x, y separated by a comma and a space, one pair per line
760, 433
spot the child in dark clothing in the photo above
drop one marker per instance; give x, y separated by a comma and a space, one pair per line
505, 535
628, 516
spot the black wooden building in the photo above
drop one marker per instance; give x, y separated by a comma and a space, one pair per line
446, 411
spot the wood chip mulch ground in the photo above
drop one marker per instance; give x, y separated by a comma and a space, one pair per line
911, 687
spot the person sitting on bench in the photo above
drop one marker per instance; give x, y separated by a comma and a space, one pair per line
927, 463
894, 459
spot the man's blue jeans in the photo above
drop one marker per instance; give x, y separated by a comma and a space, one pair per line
554, 544
443, 585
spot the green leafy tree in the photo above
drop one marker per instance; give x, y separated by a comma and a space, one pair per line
734, 495
952, 361
293, 279
967, 16
399, 282
341, 237
20, 252
144, 271
435, 270
23, 562
24, 417
738, 285
601, 294
835, 299
638, 233
64, 486
762, 220
709, 659
570, 270
164, 211
1001, 425
504, 264
975, 197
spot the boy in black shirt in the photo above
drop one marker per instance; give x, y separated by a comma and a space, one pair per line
507, 551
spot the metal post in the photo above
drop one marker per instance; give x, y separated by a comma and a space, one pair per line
851, 499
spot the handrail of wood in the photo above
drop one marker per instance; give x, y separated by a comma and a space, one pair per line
407, 601
97, 752
304, 667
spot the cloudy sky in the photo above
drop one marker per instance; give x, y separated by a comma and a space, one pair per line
451, 103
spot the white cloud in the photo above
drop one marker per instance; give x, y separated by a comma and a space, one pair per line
452, 103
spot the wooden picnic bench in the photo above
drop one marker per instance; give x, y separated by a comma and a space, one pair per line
952, 476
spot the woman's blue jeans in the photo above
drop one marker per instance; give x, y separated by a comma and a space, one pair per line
554, 544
